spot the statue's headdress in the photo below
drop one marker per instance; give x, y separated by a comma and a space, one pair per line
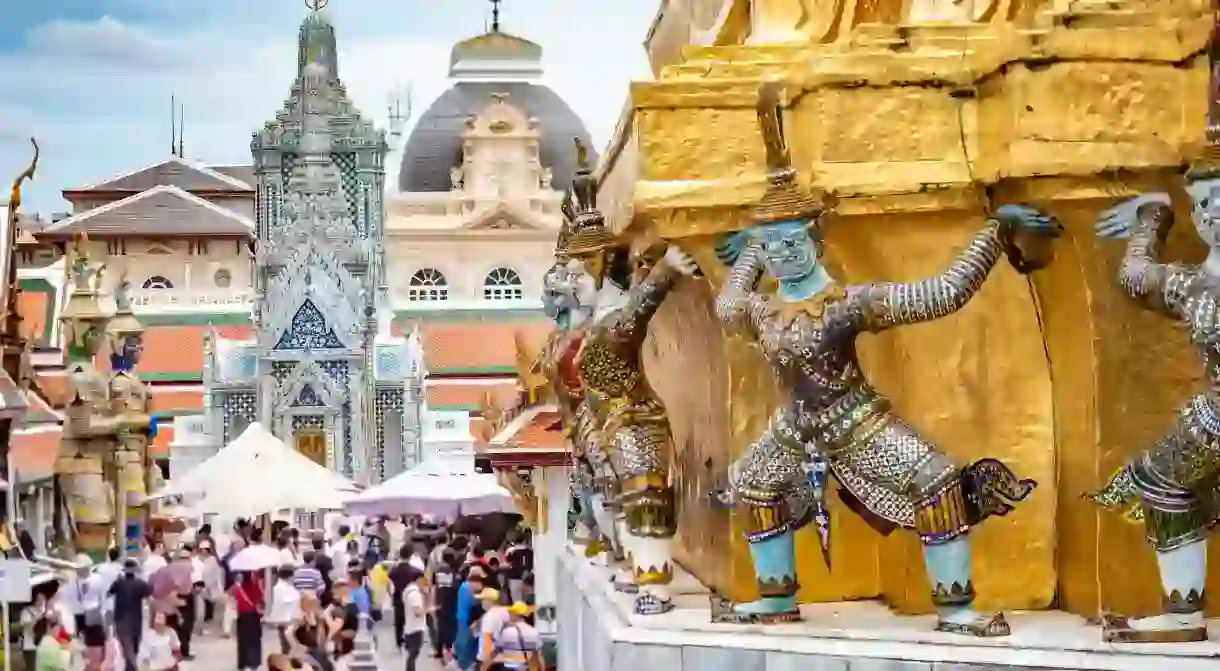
589, 232
1207, 165
784, 198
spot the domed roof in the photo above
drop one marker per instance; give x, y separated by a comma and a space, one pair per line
435, 145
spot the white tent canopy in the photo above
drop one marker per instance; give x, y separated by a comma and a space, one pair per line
438, 488
257, 474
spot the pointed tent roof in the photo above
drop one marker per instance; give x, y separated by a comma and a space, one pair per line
163, 210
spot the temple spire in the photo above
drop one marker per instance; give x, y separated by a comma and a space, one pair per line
495, 16
316, 44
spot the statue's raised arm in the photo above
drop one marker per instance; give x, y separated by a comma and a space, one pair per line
1016, 230
1145, 222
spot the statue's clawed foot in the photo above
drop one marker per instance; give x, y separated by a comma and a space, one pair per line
970, 623
1167, 628
768, 610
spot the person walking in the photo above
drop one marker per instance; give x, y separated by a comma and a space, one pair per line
285, 605
129, 593
159, 649
415, 621
247, 598
517, 647
33, 628
400, 574
308, 633
495, 617
465, 644
443, 602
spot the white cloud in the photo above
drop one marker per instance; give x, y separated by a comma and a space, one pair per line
96, 94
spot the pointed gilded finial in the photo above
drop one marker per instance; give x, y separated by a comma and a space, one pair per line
771, 125
1207, 165
784, 199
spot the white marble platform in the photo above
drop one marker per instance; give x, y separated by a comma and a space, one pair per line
599, 632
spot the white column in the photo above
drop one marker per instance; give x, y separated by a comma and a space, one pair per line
549, 545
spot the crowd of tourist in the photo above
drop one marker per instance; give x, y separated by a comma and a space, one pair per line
445, 594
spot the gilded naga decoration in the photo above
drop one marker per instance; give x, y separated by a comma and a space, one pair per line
632, 450
1171, 486
834, 421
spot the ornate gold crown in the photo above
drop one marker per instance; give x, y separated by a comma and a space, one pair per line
784, 198
1207, 165
589, 232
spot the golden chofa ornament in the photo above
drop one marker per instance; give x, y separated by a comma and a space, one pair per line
589, 232
784, 199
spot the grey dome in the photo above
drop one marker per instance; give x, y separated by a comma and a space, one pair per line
435, 145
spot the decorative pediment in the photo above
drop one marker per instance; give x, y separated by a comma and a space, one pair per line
500, 117
309, 386
308, 330
502, 217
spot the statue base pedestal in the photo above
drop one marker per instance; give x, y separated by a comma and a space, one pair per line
600, 632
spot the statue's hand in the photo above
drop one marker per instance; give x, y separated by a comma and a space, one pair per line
681, 261
1026, 233
1120, 221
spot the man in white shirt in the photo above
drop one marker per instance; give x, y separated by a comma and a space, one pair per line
415, 617
154, 562
72, 597
338, 553
110, 572
495, 616
285, 606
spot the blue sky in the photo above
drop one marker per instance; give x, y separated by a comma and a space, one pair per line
92, 79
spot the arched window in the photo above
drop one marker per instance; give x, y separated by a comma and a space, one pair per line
158, 282
428, 284
502, 284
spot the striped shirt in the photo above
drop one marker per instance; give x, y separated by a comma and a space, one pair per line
308, 579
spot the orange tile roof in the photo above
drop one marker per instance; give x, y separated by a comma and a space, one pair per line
543, 432
160, 444
33, 452
34, 308
176, 349
471, 346
472, 394
54, 386
40, 410
178, 399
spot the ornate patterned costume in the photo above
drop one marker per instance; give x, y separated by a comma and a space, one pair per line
634, 428
897, 477
890, 475
630, 444
1174, 486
